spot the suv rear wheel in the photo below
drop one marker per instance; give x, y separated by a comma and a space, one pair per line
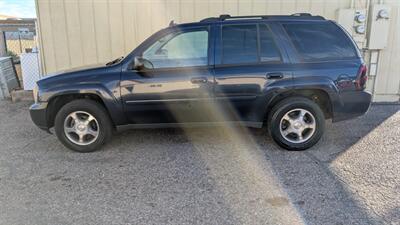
296, 123
83, 125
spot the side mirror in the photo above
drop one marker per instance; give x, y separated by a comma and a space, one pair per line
138, 64
141, 63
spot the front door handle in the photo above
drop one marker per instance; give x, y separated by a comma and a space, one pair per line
199, 80
274, 75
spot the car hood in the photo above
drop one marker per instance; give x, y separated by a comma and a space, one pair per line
82, 74
74, 70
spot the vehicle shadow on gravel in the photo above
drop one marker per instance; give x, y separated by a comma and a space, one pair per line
312, 179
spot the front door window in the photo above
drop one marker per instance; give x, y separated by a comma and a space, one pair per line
179, 50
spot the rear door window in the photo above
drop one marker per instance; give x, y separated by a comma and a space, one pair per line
319, 41
248, 43
239, 44
268, 50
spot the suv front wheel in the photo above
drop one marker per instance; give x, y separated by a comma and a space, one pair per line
83, 125
296, 123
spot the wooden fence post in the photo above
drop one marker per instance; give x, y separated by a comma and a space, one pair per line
3, 48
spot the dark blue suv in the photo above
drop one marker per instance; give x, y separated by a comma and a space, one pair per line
288, 72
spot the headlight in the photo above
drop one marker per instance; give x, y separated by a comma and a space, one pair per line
36, 93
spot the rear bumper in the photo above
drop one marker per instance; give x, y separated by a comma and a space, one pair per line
353, 104
38, 113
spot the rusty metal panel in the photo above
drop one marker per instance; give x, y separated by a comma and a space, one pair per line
8, 77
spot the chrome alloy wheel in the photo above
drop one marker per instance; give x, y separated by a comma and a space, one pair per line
297, 126
81, 128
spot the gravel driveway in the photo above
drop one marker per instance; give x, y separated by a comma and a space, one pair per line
221, 175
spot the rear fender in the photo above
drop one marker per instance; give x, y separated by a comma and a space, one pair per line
274, 95
323, 84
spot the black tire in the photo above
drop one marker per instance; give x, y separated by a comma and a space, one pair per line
97, 111
285, 106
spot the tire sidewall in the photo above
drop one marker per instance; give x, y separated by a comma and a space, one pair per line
96, 111
285, 107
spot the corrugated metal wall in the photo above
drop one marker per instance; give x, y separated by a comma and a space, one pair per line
387, 80
83, 32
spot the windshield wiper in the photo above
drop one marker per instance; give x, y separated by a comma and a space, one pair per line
114, 61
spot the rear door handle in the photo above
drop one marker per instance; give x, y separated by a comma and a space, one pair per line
199, 80
274, 75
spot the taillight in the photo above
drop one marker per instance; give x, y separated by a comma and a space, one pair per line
361, 80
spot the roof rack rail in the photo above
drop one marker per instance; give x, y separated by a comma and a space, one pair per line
172, 23
224, 17
301, 14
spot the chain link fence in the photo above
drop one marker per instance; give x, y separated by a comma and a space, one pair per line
17, 43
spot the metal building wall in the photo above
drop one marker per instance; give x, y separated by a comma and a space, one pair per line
387, 81
83, 32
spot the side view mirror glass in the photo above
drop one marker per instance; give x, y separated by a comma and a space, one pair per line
141, 63
162, 53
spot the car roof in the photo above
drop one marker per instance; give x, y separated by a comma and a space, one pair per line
228, 19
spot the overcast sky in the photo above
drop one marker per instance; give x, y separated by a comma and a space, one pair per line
18, 8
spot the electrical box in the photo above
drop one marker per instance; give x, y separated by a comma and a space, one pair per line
378, 29
353, 21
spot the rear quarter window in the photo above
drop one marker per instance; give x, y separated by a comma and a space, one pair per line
320, 41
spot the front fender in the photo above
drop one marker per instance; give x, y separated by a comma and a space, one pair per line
110, 97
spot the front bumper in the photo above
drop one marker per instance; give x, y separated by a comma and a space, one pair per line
353, 104
38, 113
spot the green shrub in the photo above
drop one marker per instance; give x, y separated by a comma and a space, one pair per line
13, 55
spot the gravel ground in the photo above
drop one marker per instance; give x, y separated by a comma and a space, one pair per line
221, 175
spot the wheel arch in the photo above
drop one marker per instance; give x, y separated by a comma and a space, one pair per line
58, 101
320, 96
